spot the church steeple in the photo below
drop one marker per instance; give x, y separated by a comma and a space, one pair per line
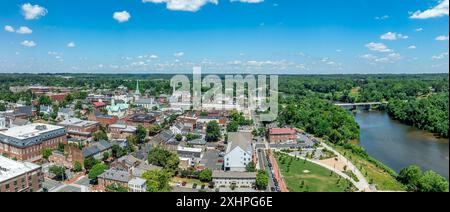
137, 92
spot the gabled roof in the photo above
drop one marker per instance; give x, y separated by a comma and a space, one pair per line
96, 148
239, 139
116, 175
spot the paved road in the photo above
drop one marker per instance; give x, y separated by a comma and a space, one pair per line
264, 165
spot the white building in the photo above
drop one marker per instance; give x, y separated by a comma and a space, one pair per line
234, 179
147, 103
137, 185
239, 151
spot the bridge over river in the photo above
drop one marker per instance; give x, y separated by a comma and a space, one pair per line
366, 105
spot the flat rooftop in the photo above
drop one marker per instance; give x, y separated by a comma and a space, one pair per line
10, 168
29, 131
77, 122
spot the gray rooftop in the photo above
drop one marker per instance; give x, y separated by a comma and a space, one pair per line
239, 139
95, 148
116, 175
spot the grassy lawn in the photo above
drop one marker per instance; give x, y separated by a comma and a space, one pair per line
373, 173
304, 176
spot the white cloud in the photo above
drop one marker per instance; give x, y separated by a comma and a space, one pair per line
9, 28
28, 43
24, 30
71, 45
442, 38
32, 12
412, 47
393, 36
379, 47
384, 17
179, 54
390, 58
419, 29
154, 56
183, 5
440, 56
121, 17
438, 11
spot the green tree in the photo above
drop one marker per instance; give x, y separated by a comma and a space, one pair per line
105, 156
100, 136
78, 105
141, 133
432, 182
262, 180
179, 137
46, 153
77, 167
45, 100
117, 151
154, 129
410, 177
97, 170
90, 162
205, 175
2, 107
116, 188
58, 171
164, 158
158, 180
213, 133
61, 147
233, 126
251, 167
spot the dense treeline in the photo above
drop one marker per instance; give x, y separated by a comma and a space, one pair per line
365, 88
154, 84
319, 117
429, 113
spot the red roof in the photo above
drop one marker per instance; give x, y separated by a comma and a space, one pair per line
281, 131
99, 104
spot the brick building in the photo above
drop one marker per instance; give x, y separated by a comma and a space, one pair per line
278, 135
18, 176
27, 142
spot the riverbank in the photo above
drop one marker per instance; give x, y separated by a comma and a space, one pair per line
398, 145
375, 172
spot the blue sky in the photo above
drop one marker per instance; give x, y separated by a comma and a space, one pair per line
224, 36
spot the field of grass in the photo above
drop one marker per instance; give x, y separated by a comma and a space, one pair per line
304, 176
373, 173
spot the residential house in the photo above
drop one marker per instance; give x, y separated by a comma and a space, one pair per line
121, 131
137, 184
114, 177
97, 149
190, 156
239, 152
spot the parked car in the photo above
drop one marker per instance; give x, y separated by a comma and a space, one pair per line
183, 183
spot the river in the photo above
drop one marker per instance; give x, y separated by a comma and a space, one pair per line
398, 145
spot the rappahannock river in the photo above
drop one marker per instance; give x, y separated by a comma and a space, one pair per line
398, 145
